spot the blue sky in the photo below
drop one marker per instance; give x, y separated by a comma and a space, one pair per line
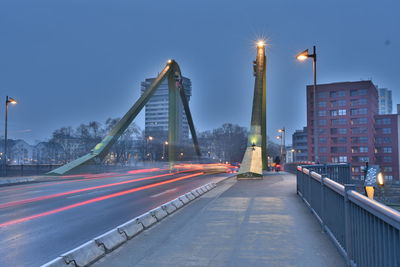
70, 62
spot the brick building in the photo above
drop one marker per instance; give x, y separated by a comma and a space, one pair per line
346, 114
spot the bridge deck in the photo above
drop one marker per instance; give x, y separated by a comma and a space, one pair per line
240, 223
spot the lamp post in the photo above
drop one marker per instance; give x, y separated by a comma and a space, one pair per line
148, 139
301, 57
163, 152
8, 101
283, 145
279, 137
294, 154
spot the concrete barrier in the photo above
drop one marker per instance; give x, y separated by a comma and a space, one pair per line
111, 240
177, 203
131, 228
91, 251
184, 199
200, 191
169, 207
147, 220
204, 188
195, 193
159, 213
84, 254
58, 262
190, 196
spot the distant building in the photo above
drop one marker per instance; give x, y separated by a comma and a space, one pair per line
156, 112
345, 122
299, 144
289, 154
385, 101
387, 144
20, 153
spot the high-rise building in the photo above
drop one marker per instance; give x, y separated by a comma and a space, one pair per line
156, 112
387, 144
345, 123
299, 144
385, 101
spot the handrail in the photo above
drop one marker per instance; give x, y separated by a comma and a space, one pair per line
383, 212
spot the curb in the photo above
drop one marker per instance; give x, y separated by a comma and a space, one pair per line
93, 250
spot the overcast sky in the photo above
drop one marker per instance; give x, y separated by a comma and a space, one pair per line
74, 61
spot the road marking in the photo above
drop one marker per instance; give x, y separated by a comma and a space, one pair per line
165, 192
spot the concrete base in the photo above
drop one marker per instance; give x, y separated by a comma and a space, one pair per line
251, 167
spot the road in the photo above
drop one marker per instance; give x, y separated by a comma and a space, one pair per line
40, 221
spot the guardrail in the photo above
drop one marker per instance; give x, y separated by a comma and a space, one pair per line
366, 232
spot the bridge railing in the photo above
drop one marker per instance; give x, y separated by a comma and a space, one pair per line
366, 232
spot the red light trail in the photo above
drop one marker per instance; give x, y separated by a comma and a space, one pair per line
79, 204
30, 200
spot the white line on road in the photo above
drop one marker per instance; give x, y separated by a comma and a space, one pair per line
165, 192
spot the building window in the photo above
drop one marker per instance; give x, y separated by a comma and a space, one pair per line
386, 130
322, 131
359, 121
322, 113
383, 140
358, 111
339, 121
322, 140
343, 159
341, 93
342, 103
338, 149
363, 159
323, 149
387, 159
322, 122
322, 104
387, 150
384, 121
388, 177
359, 130
358, 102
342, 131
334, 113
363, 149
387, 169
322, 94
342, 112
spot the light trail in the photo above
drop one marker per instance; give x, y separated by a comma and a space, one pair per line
35, 199
79, 204
88, 177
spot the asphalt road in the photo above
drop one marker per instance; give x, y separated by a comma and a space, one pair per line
40, 221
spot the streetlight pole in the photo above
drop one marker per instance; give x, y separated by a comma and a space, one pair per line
283, 144
303, 56
8, 101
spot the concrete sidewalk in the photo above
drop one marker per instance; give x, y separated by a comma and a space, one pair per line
240, 223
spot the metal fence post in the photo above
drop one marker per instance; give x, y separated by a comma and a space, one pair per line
347, 223
322, 204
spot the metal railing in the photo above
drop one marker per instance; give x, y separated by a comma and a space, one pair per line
366, 232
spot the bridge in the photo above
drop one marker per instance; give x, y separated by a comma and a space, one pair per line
206, 214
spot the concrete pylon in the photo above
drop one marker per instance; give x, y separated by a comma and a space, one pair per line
255, 157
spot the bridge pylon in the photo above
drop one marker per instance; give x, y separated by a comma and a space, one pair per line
255, 157
176, 91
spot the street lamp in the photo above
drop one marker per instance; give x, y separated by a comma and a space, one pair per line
301, 57
148, 139
9, 100
164, 144
283, 143
279, 137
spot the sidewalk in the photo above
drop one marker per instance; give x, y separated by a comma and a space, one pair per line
239, 223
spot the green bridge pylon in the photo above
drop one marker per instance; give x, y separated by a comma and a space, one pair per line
255, 157
176, 90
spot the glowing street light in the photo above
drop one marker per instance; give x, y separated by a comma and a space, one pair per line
9, 100
302, 57
260, 43
380, 179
